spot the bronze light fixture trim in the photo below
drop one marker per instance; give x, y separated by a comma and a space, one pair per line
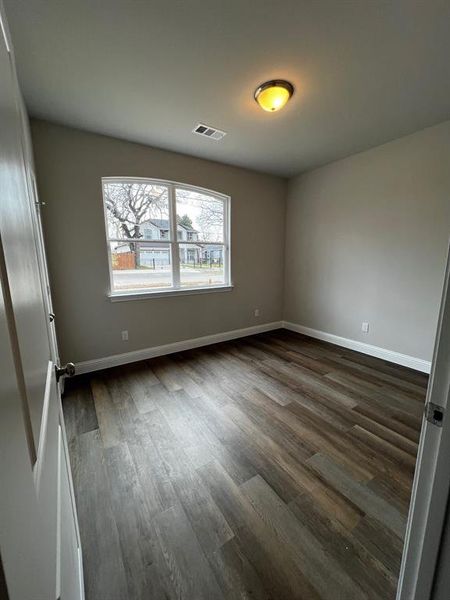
273, 95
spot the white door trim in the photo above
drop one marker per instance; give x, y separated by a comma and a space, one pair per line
431, 485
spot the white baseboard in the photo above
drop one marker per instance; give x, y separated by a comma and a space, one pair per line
390, 355
115, 360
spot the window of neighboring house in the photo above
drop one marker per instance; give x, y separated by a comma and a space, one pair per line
143, 261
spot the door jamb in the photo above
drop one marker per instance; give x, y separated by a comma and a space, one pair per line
430, 493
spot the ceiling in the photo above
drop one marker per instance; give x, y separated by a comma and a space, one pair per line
365, 72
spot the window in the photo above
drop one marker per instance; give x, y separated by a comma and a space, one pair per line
165, 237
147, 233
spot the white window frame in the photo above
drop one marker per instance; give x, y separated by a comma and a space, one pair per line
173, 243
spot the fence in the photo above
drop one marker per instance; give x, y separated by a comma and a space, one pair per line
127, 260
123, 260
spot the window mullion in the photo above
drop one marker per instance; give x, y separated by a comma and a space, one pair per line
226, 239
173, 235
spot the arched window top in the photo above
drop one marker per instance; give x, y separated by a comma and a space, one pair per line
165, 236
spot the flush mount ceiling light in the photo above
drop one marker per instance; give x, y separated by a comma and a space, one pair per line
273, 95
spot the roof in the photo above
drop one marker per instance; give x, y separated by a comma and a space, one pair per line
161, 223
164, 224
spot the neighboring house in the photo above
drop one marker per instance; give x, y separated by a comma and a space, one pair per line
152, 255
158, 229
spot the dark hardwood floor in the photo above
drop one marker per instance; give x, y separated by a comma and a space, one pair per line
275, 466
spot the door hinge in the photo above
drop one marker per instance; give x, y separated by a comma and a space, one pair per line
66, 371
434, 413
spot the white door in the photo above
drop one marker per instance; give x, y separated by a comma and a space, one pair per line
39, 541
432, 479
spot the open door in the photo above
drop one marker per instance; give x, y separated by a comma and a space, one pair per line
39, 540
431, 486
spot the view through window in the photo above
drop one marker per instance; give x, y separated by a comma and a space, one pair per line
164, 236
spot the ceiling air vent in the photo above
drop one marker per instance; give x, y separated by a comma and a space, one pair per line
209, 132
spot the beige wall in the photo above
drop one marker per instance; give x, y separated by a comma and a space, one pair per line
366, 240
365, 237
69, 166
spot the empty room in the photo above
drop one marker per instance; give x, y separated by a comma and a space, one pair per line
224, 300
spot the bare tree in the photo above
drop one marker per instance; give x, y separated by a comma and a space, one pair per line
208, 213
131, 204
210, 219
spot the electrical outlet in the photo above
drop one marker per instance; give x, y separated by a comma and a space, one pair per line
365, 327
257, 313
125, 335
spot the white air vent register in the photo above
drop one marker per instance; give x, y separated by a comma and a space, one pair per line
210, 132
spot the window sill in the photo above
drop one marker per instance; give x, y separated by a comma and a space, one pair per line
125, 296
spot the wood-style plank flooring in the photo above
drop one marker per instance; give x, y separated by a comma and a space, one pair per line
272, 467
